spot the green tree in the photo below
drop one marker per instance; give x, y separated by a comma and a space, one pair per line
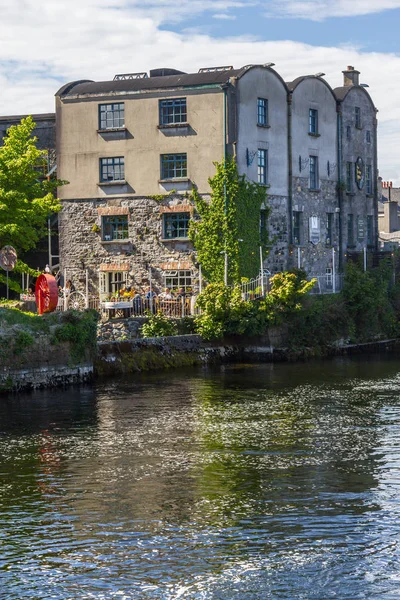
232, 214
26, 197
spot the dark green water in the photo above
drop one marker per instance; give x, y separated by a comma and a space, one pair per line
244, 482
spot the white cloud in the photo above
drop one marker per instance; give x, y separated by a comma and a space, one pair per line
318, 10
94, 39
224, 17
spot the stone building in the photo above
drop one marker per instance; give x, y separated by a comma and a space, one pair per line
133, 147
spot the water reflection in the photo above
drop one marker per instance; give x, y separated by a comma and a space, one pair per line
248, 481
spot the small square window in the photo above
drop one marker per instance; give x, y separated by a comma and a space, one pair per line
176, 225
313, 121
262, 111
173, 166
111, 116
173, 111
114, 228
112, 169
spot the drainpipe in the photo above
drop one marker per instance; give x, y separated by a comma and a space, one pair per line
290, 169
340, 191
375, 175
224, 88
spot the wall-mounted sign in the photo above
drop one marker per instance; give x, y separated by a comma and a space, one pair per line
8, 258
359, 173
315, 230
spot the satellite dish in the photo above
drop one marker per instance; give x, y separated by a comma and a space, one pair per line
8, 258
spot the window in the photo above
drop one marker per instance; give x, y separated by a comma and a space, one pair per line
313, 121
329, 229
349, 177
112, 169
297, 227
176, 225
368, 179
350, 230
262, 111
114, 228
173, 166
111, 116
314, 173
368, 136
177, 279
111, 282
370, 230
360, 229
262, 166
173, 111
357, 111
348, 132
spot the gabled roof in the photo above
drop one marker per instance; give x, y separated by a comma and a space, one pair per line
341, 93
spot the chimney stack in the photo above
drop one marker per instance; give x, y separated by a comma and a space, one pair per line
351, 76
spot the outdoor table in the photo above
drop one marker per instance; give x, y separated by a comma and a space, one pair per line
114, 307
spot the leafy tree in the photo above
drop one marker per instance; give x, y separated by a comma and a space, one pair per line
26, 197
232, 214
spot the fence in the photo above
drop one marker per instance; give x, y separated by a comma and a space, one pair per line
255, 288
327, 284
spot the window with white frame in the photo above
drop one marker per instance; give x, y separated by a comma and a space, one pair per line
111, 116
314, 177
114, 227
262, 166
174, 280
110, 282
112, 169
262, 112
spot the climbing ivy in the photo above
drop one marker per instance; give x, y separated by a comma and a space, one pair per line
232, 214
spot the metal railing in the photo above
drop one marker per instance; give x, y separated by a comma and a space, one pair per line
255, 288
326, 284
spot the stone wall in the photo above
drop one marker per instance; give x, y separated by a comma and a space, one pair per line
82, 247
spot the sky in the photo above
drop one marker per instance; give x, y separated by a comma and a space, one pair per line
46, 43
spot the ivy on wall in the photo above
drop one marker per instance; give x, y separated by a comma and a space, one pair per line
232, 214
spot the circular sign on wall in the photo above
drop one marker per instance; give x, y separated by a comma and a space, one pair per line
8, 258
359, 173
46, 293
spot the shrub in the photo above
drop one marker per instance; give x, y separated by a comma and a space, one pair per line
158, 325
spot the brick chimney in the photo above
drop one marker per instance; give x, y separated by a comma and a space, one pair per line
351, 76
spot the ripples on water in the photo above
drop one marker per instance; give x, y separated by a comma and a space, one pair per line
245, 482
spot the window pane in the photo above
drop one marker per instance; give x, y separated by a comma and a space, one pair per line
313, 121
112, 169
111, 116
262, 165
176, 225
314, 172
115, 228
173, 111
262, 111
173, 166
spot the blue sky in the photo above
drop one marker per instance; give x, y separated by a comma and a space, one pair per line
44, 44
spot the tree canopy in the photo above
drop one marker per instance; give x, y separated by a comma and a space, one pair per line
27, 197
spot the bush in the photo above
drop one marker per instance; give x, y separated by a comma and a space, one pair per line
158, 325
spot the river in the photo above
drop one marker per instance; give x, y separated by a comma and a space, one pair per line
239, 482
